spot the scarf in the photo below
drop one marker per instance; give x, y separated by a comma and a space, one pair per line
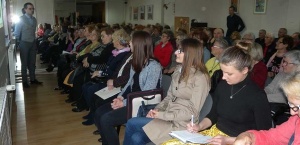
115, 52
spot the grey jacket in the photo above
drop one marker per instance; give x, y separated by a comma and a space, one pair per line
273, 90
25, 30
148, 78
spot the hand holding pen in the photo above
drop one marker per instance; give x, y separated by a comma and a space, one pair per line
192, 127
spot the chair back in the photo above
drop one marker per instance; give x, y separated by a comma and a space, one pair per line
206, 107
166, 82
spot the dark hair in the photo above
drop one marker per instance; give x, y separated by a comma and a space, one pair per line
172, 39
199, 34
90, 27
286, 39
236, 57
71, 31
116, 26
142, 50
26, 4
23, 11
193, 57
167, 27
107, 30
47, 26
232, 7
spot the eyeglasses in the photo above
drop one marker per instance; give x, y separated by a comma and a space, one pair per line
294, 107
30, 9
216, 46
285, 63
179, 51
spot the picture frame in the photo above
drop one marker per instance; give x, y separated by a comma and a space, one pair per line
260, 6
149, 12
235, 3
135, 13
142, 12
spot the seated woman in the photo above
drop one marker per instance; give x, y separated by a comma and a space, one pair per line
259, 71
121, 42
282, 46
145, 74
94, 50
235, 37
163, 51
290, 64
171, 68
187, 93
238, 104
286, 133
202, 37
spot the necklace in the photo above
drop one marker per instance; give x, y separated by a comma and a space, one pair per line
231, 97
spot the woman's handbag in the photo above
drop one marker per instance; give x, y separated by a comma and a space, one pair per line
135, 99
144, 109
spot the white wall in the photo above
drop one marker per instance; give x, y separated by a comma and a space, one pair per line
115, 11
44, 9
157, 11
279, 13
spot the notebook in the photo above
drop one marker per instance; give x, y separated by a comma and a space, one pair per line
105, 93
186, 136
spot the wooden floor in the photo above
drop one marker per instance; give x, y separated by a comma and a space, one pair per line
40, 116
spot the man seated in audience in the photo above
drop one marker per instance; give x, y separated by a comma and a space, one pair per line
261, 37
281, 32
218, 33
296, 38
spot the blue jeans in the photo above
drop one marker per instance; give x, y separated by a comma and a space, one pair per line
134, 134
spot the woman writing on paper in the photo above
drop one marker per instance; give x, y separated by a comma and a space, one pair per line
238, 103
187, 93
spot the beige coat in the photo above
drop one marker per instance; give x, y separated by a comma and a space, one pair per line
175, 115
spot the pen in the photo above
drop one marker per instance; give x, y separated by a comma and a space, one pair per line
192, 120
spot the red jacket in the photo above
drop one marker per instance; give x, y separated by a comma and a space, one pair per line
259, 74
281, 134
163, 54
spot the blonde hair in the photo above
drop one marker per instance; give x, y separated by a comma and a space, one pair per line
244, 45
122, 37
256, 52
291, 85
